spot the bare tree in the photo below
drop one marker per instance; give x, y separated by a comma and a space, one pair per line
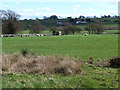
36, 27
11, 23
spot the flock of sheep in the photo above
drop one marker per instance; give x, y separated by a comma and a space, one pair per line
26, 35
21, 35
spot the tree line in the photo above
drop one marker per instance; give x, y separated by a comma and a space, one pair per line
12, 25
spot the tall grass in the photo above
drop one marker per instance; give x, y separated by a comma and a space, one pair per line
17, 63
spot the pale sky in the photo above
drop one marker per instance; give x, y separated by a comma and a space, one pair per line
64, 8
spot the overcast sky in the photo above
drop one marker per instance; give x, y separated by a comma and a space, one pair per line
64, 8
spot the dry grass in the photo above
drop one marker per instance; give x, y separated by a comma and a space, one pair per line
40, 65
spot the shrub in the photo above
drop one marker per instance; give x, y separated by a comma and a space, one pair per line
115, 62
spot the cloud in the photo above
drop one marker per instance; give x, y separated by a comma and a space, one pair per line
27, 10
76, 7
91, 9
109, 12
46, 9
32, 13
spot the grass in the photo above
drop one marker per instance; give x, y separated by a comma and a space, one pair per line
112, 31
44, 32
76, 46
93, 77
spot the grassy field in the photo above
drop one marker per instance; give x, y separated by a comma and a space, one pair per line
77, 46
112, 31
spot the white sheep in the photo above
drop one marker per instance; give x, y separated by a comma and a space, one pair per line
60, 33
86, 34
22, 35
41, 34
38, 35
1, 36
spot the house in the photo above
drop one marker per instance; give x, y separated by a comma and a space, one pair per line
81, 22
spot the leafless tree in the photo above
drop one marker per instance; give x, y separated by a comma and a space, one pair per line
36, 27
11, 23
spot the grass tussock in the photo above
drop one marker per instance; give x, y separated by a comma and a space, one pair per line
40, 65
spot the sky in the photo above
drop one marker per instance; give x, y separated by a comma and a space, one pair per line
62, 8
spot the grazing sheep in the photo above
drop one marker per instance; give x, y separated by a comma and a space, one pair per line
86, 34
38, 35
1, 36
60, 33
41, 34
5, 35
22, 35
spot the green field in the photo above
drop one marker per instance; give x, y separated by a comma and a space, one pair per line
112, 31
77, 46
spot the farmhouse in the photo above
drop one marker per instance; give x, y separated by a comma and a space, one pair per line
81, 22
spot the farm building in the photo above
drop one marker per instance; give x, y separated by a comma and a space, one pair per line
81, 22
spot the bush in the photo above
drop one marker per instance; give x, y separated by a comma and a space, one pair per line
71, 29
115, 62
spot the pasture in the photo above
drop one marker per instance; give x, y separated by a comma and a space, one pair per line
76, 46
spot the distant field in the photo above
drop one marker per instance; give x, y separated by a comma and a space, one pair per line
112, 31
78, 46
27, 32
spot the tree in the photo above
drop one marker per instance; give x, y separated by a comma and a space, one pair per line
70, 29
69, 17
81, 17
11, 23
45, 17
109, 16
54, 31
95, 28
37, 18
36, 27
53, 17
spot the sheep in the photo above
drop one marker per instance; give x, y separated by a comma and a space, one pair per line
2, 36
60, 33
86, 34
41, 34
38, 35
22, 35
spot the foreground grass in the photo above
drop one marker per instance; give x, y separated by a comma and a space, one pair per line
92, 77
78, 46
